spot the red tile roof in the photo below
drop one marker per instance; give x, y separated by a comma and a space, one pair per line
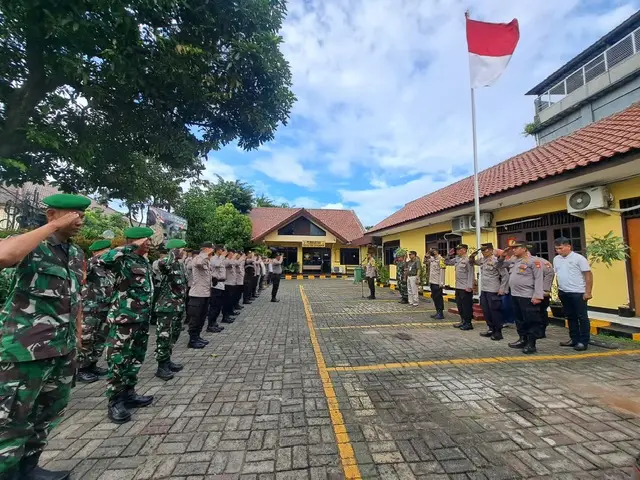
342, 223
617, 134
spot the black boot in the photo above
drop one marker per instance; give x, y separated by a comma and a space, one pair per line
530, 347
86, 376
175, 367
467, 326
29, 470
194, 342
497, 335
163, 371
117, 410
99, 371
275, 300
133, 400
458, 325
202, 340
227, 319
487, 334
438, 316
237, 306
519, 344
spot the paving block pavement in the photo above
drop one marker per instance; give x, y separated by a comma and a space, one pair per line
327, 385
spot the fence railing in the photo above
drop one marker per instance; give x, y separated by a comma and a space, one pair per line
618, 52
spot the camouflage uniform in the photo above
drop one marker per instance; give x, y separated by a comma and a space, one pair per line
96, 297
401, 267
128, 318
37, 347
169, 305
6, 277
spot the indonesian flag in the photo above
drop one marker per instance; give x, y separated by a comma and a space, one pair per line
490, 48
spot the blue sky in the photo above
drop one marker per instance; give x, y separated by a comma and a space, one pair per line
383, 113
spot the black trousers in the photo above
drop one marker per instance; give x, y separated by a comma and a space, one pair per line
228, 300
237, 294
275, 279
215, 306
575, 309
528, 320
491, 304
371, 281
254, 285
197, 314
247, 292
464, 301
437, 297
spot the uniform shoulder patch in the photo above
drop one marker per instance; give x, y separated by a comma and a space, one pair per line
538, 265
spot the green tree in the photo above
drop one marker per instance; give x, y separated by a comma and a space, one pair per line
97, 221
236, 192
95, 93
198, 210
230, 227
264, 201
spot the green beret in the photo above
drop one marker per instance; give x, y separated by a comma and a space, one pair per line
136, 233
99, 245
175, 243
66, 201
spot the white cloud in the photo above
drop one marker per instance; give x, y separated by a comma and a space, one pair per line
334, 206
383, 89
213, 167
305, 202
284, 167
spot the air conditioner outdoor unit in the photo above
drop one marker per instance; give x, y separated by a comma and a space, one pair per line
596, 198
485, 220
338, 269
460, 224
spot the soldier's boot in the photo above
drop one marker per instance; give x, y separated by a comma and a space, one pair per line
117, 409
530, 347
518, 344
467, 326
227, 319
438, 316
163, 371
202, 340
133, 400
497, 335
175, 367
87, 376
194, 342
29, 470
99, 371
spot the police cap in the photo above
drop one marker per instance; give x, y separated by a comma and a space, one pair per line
462, 245
136, 233
486, 246
99, 245
206, 245
66, 201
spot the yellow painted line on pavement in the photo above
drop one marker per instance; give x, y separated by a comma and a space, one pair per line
471, 361
345, 449
389, 325
328, 314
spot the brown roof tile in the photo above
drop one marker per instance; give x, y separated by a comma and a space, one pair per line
599, 141
343, 223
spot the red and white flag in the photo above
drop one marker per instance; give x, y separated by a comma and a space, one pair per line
490, 48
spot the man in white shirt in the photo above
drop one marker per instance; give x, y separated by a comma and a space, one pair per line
575, 282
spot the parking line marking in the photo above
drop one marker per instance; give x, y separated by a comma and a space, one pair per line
345, 449
485, 360
408, 312
389, 325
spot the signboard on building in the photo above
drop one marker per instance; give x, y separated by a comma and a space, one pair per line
165, 225
313, 243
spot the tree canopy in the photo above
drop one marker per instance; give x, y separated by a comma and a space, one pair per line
111, 95
264, 201
230, 227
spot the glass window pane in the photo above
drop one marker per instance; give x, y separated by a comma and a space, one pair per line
575, 232
543, 235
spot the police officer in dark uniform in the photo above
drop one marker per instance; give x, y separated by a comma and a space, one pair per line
494, 283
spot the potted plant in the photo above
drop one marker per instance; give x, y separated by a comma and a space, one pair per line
383, 272
608, 249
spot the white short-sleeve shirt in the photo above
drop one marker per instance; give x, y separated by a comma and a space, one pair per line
570, 272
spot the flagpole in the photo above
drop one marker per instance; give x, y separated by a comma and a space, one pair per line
476, 184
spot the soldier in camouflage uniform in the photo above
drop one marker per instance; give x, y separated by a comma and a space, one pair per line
96, 298
401, 275
169, 308
40, 326
128, 319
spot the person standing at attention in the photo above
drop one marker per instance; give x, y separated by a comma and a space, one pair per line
495, 281
275, 276
575, 283
129, 318
437, 270
199, 295
371, 274
413, 276
37, 356
465, 277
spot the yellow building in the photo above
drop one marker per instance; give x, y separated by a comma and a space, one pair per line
584, 184
319, 241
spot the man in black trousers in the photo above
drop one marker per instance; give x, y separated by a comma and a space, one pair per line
249, 273
275, 277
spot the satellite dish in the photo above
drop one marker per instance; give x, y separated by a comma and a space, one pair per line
580, 200
108, 234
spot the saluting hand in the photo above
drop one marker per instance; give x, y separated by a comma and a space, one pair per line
66, 220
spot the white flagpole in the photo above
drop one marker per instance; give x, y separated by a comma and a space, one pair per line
476, 185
